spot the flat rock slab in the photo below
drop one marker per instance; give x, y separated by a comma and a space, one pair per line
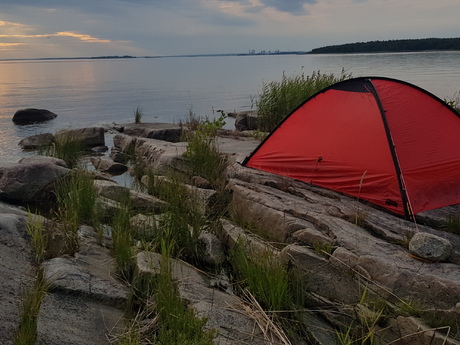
72, 320
90, 275
16, 272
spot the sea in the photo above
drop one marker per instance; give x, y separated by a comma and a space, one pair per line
93, 92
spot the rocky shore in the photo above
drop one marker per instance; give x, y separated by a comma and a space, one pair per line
349, 266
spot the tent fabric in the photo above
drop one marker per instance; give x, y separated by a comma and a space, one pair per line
377, 139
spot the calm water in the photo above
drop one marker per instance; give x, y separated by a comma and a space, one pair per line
90, 92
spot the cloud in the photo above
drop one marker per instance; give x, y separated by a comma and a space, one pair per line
294, 7
81, 37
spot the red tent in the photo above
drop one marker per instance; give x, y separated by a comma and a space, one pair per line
377, 139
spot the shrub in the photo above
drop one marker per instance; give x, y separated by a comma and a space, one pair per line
280, 98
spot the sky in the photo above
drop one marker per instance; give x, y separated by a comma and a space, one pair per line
85, 28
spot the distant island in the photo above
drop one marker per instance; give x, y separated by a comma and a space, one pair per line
392, 46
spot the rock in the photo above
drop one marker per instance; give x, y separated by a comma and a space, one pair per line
89, 137
202, 199
262, 207
32, 115
320, 276
108, 166
161, 156
139, 201
71, 320
30, 183
124, 143
200, 182
42, 160
144, 226
415, 332
100, 149
118, 156
158, 131
246, 122
430, 247
16, 271
213, 252
85, 302
37, 141
311, 236
90, 275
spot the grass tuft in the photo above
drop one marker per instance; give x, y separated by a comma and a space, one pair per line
26, 334
67, 147
138, 114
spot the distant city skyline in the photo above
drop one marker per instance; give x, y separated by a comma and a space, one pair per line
56, 28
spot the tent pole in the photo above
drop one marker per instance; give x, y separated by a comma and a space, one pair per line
408, 213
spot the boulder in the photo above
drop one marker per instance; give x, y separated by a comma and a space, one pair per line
32, 115
30, 183
89, 137
430, 247
108, 166
37, 141
246, 122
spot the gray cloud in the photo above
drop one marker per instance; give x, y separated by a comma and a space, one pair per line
294, 7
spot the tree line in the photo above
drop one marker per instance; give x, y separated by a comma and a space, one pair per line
405, 45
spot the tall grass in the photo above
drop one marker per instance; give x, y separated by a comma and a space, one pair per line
269, 281
203, 152
138, 114
26, 334
67, 147
178, 324
279, 98
123, 240
37, 232
76, 200
181, 224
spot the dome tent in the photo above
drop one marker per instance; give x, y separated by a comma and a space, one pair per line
382, 140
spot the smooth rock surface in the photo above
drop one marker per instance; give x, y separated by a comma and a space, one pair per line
70, 320
16, 272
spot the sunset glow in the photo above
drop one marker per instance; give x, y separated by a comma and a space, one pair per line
175, 27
